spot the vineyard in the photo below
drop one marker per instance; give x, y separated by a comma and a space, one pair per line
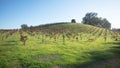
63, 45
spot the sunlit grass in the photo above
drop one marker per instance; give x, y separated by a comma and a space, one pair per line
47, 54
50, 53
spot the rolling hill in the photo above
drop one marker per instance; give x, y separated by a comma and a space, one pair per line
60, 45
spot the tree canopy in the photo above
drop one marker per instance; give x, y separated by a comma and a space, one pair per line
73, 21
92, 19
24, 26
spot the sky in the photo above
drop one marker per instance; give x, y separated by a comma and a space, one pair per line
14, 13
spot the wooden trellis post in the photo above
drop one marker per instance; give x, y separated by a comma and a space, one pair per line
63, 38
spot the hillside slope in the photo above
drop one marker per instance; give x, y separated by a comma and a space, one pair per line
59, 45
66, 27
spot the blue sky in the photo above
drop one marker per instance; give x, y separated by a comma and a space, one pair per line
13, 13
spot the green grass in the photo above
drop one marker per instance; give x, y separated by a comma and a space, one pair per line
54, 54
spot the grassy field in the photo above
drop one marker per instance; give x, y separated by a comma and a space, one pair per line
41, 51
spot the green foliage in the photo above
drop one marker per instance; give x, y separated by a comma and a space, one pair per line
73, 21
41, 51
24, 26
92, 19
